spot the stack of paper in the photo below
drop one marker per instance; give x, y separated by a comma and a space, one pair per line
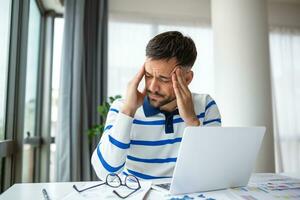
269, 187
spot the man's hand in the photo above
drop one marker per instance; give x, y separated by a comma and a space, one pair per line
134, 98
184, 99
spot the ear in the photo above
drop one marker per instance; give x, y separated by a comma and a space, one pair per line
189, 77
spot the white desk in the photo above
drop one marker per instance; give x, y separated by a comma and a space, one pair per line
59, 190
33, 191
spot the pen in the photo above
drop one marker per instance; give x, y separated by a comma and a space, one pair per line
45, 193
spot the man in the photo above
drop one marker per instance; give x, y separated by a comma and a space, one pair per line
143, 132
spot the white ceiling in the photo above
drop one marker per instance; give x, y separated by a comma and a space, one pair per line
57, 5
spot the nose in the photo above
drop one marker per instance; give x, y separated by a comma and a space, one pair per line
154, 85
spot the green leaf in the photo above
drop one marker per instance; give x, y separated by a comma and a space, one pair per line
101, 128
102, 110
118, 97
97, 130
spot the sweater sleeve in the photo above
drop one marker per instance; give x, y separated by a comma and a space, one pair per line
111, 152
212, 113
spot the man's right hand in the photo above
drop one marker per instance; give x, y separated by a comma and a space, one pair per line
134, 98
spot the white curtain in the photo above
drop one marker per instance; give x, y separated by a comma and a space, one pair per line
285, 67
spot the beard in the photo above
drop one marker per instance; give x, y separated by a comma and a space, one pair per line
160, 99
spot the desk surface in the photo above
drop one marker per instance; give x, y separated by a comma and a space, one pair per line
59, 190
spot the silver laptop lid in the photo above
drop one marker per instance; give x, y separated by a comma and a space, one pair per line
212, 158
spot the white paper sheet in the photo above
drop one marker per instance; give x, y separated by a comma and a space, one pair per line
269, 187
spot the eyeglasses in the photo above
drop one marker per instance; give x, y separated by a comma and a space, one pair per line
113, 180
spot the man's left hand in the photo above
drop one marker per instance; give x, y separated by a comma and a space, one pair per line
184, 99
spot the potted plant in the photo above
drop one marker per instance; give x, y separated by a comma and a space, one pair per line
97, 130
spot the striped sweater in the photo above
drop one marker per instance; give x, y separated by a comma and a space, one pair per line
147, 145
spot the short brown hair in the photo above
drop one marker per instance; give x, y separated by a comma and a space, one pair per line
172, 44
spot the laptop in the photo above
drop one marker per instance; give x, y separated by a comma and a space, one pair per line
214, 158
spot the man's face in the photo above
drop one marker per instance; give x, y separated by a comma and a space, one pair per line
158, 79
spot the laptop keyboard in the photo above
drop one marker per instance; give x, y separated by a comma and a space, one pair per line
165, 186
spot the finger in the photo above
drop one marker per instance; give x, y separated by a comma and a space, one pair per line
180, 76
173, 71
176, 87
137, 79
176, 82
181, 81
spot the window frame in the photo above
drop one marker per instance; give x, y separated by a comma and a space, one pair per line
15, 93
12, 147
35, 140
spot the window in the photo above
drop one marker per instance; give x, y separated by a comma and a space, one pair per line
126, 53
26, 34
32, 64
5, 21
5, 16
57, 50
285, 68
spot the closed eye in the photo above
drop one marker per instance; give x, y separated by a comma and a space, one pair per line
165, 80
160, 78
148, 75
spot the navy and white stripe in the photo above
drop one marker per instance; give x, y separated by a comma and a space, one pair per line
141, 145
